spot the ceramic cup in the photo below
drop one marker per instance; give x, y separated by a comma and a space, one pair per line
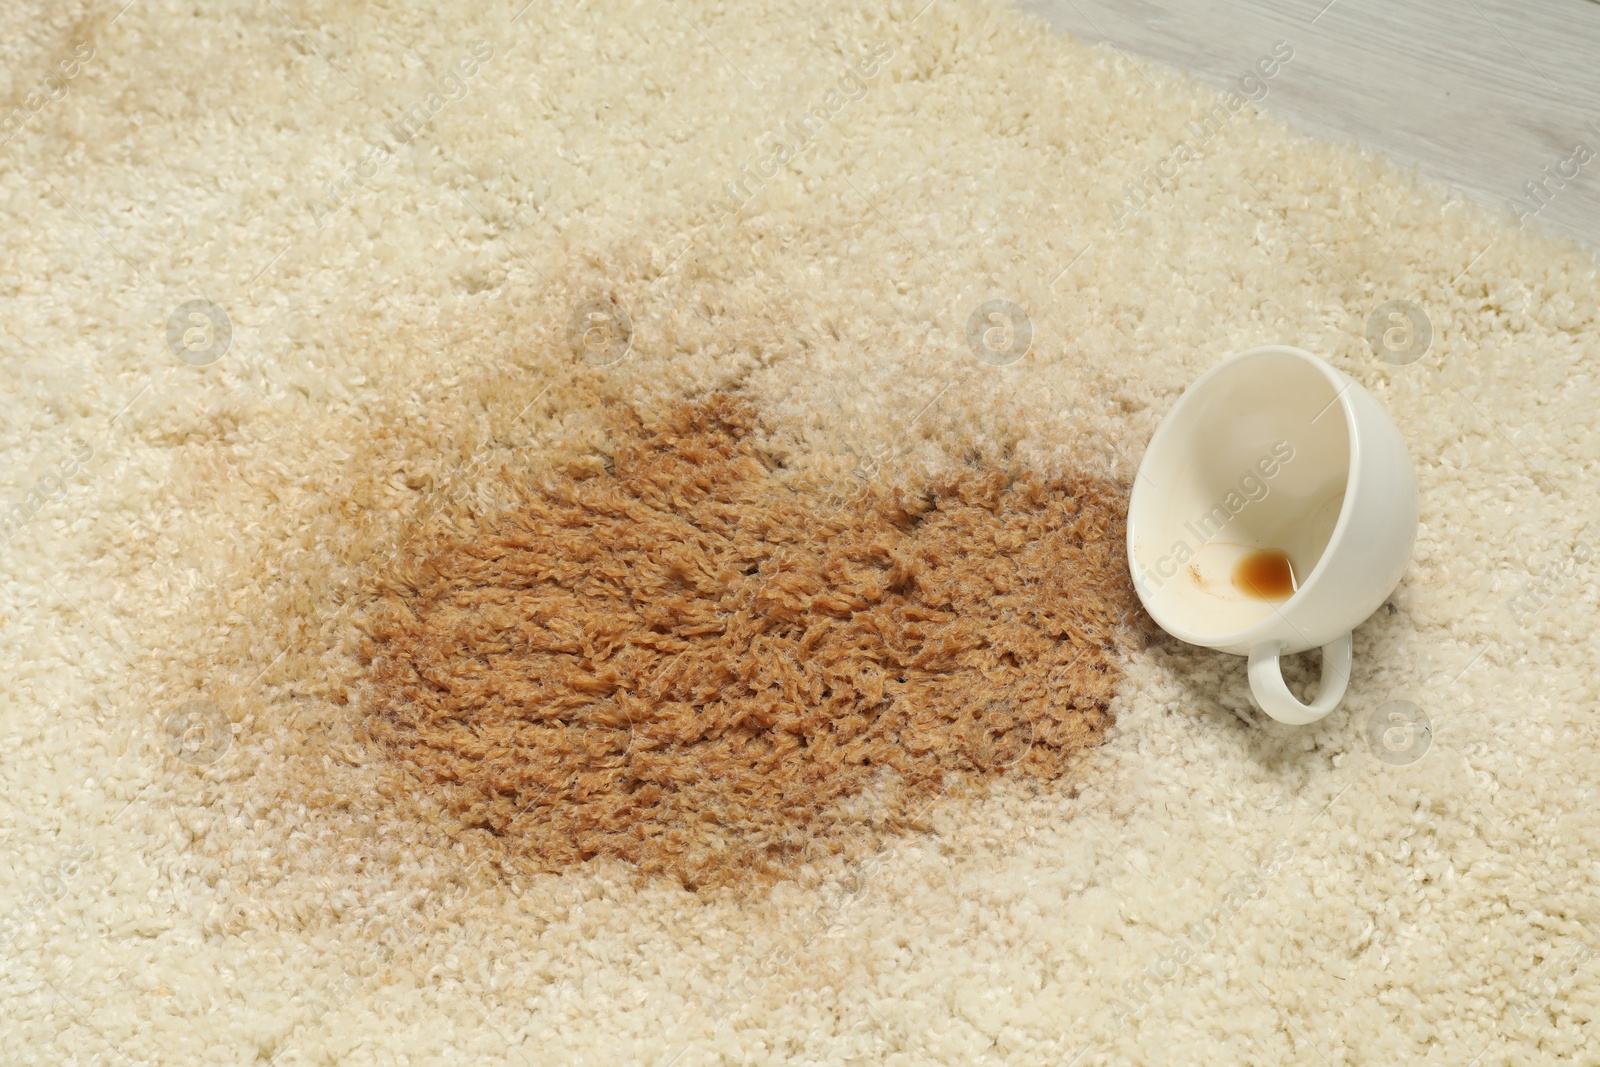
1273, 451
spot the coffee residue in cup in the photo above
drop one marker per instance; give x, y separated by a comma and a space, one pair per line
1266, 574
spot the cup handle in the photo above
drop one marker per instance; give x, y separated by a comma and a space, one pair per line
1272, 695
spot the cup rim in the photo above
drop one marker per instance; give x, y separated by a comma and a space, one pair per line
1257, 631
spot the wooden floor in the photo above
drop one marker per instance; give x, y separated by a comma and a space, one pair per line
1483, 94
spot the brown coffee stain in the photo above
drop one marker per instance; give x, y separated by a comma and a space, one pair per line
672, 658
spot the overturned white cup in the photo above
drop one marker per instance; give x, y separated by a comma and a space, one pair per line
1274, 510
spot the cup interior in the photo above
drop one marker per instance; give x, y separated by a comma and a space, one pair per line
1252, 462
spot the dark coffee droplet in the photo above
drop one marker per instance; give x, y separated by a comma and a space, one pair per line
1266, 574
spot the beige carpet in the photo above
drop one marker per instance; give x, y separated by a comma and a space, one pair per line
294, 288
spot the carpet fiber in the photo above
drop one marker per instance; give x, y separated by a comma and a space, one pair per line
684, 663
546, 534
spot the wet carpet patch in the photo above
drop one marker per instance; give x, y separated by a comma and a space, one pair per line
673, 658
